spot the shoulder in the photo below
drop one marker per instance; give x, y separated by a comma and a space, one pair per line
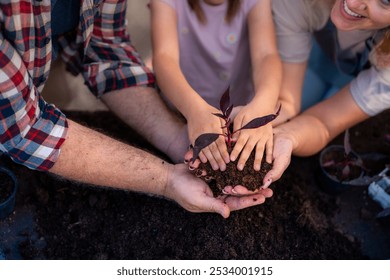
299, 15
171, 3
249, 4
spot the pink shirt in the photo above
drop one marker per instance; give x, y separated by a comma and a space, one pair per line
216, 54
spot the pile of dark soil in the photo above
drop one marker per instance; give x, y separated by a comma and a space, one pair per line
248, 177
76, 221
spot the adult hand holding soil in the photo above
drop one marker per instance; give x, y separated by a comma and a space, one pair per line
203, 121
194, 195
246, 140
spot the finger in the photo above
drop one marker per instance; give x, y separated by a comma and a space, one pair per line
200, 173
245, 153
227, 190
216, 151
258, 157
269, 147
210, 157
266, 183
188, 158
222, 147
238, 146
280, 164
267, 193
237, 203
218, 206
238, 190
242, 190
202, 156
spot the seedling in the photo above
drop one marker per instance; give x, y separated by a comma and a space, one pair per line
226, 108
342, 167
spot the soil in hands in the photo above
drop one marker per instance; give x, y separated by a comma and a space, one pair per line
248, 177
6, 186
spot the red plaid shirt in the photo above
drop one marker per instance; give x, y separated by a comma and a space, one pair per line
32, 131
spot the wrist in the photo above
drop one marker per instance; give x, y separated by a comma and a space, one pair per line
285, 136
169, 178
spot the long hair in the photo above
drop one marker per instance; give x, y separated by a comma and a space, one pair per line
233, 7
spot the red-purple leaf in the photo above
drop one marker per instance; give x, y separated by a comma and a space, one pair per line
345, 172
228, 111
258, 122
202, 142
219, 115
347, 144
225, 101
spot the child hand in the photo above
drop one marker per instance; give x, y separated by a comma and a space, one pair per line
259, 139
205, 122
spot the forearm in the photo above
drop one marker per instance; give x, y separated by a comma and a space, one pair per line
267, 79
175, 86
290, 96
143, 110
308, 134
91, 157
317, 126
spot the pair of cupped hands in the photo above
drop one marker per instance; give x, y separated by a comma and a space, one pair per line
258, 140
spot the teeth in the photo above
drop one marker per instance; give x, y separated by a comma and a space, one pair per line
349, 12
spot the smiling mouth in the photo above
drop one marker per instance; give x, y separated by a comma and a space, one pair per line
349, 12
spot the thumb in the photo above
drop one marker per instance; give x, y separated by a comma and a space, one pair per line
280, 164
219, 207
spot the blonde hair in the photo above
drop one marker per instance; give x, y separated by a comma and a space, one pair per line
233, 7
380, 55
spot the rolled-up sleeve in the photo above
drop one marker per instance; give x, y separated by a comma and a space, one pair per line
111, 61
31, 131
371, 90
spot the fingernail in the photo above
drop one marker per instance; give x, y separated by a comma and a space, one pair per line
191, 168
224, 192
240, 167
186, 161
232, 158
234, 191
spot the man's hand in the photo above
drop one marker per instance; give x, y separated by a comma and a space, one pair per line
194, 195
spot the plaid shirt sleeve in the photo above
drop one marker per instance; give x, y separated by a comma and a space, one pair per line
31, 131
111, 62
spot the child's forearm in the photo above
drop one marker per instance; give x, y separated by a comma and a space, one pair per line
175, 87
267, 81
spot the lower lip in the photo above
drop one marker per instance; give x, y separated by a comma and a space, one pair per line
344, 13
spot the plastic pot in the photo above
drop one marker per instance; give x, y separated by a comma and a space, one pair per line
329, 182
8, 192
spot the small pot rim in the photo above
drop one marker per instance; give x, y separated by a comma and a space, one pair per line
15, 186
330, 148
